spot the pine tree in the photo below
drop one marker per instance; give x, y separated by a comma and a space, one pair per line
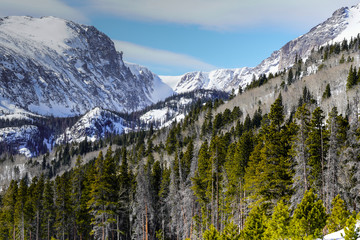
350, 230
49, 210
187, 159
268, 176
317, 145
37, 204
63, 206
339, 214
20, 210
290, 78
279, 224
255, 224
235, 166
332, 158
102, 201
301, 157
79, 197
201, 181
7, 216
309, 217
230, 232
352, 78
211, 234
125, 190
327, 92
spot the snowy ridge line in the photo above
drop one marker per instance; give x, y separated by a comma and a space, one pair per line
343, 24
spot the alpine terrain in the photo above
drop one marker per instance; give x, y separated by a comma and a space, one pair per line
343, 24
92, 147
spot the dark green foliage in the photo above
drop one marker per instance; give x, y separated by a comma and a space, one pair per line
352, 78
350, 230
309, 217
278, 226
290, 78
327, 92
269, 173
255, 225
339, 214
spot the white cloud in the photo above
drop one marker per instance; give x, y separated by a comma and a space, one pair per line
39, 8
224, 14
160, 59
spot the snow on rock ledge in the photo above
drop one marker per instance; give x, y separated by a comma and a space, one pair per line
94, 125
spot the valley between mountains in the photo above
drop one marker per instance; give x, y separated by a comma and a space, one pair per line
93, 147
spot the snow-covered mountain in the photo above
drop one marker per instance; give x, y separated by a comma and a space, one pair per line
94, 125
344, 23
51, 66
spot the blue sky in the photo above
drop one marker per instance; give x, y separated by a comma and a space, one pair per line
172, 37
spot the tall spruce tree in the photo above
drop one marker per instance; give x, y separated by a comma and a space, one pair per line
339, 214
102, 201
278, 226
7, 215
317, 147
332, 187
20, 214
269, 174
309, 218
301, 157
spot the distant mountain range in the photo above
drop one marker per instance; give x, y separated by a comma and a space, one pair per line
53, 67
343, 24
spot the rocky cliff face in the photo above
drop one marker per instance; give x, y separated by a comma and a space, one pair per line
55, 67
344, 23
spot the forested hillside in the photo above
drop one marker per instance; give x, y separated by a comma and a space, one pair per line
282, 166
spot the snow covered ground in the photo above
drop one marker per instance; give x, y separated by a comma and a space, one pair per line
337, 235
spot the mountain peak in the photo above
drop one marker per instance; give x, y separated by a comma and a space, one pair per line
343, 24
67, 69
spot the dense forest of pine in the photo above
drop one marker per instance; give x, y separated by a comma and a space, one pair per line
266, 178
211, 176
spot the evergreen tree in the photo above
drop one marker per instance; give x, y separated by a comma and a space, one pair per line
230, 232
235, 166
317, 145
350, 230
201, 181
211, 234
290, 78
49, 210
102, 201
63, 206
255, 224
279, 224
269, 173
352, 78
309, 218
301, 156
7, 215
125, 191
327, 92
332, 158
37, 204
339, 214
80, 198
20, 213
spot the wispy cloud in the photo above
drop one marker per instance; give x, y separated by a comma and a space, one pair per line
160, 59
39, 8
224, 14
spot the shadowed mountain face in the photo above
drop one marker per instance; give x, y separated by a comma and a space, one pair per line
55, 67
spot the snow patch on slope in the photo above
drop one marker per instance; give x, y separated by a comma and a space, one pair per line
94, 125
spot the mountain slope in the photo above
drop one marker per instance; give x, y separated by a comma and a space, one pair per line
344, 23
55, 67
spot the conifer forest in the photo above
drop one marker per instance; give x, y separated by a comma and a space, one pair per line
214, 175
